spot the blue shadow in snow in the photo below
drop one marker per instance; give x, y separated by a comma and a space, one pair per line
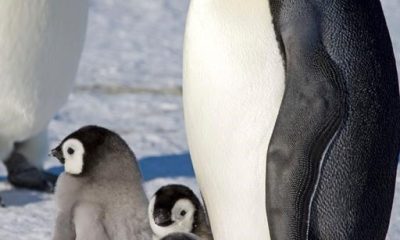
20, 197
152, 167
57, 170
166, 166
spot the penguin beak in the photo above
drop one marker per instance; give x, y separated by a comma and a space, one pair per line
162, 218
57, 153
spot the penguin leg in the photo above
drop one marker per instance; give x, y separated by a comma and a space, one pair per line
6, 147
25, 164
5, 150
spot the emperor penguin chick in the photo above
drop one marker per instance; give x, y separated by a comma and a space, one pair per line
100, 194
176, 209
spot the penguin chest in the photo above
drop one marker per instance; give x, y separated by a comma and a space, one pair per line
233, 87
40, 46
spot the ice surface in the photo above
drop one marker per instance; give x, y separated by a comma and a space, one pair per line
130, 81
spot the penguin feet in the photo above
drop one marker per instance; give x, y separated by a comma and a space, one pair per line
22, 174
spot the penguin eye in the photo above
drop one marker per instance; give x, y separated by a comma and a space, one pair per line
183, 213
70, 151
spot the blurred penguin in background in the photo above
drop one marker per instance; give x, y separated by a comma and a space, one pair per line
40, 47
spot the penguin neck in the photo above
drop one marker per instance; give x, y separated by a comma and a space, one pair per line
112, 167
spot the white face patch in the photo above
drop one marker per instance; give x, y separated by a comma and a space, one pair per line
73, 152
182, 215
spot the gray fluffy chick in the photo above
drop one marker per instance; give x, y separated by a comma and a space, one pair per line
100, 194
176, 209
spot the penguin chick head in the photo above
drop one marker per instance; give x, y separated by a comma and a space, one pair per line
174, 208
71, 154
84, 148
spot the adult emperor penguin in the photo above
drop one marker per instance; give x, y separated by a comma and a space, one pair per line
328, 68
40, 47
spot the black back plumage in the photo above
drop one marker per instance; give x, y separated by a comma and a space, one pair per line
333, 153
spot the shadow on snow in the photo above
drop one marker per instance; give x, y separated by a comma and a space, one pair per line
152, 167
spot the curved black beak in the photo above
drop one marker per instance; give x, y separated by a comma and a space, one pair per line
57, 153
162, 218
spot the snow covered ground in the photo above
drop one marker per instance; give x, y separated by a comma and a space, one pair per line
130, 81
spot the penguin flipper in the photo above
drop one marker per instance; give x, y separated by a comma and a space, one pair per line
333, 154
309, 117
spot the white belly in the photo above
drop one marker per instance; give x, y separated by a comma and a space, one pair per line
40, 46
233, 87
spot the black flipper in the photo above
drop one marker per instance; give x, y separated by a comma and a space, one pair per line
332, 157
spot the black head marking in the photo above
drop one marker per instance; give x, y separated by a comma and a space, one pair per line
93, 139
90, 136
57, 153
